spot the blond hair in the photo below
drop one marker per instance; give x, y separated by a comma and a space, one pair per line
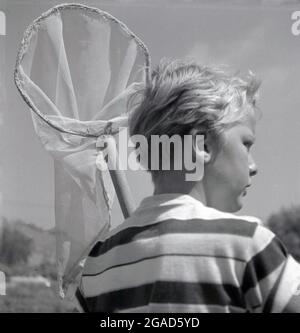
183, 97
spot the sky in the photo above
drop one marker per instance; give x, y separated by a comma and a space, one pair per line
254, 37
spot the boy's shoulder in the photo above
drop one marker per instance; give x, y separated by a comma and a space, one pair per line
217, 214
258, 234
185, 209
185, 213
244, 225
246, 230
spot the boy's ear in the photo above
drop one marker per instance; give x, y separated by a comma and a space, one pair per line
202, 148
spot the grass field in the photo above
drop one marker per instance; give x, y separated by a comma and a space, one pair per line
32, 299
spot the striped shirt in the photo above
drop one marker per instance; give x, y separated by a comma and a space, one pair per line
176, 255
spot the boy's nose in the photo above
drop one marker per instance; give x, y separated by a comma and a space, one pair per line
253, 169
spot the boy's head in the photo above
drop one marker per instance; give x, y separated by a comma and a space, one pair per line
184, 98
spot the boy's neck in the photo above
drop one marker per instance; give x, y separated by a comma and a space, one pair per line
165, 185
198, 193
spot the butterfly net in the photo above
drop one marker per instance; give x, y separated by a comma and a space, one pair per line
76, 68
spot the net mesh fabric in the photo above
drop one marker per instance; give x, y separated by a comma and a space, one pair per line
76, 68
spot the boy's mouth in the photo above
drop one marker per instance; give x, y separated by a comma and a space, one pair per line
245, 190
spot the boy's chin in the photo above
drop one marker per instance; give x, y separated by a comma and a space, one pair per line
234, 206
229, 206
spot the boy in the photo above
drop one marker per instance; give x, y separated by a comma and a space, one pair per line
183, 250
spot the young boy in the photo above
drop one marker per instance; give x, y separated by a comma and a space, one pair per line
183, 250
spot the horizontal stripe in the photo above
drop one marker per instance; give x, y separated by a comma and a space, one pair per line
183, 207
167, 268
160, 256
231, 227
167, 292
187, 244
263, 264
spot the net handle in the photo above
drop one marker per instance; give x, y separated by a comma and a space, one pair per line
120, 182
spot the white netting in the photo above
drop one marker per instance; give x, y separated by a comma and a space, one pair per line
76, 68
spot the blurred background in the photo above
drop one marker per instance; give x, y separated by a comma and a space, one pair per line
243, 36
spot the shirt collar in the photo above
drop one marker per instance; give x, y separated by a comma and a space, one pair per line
168, 199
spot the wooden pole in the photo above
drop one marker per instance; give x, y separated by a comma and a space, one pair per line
119, 179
